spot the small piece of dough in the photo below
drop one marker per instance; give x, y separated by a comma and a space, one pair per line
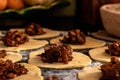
90, 73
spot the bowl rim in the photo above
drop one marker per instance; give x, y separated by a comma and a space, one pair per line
106, 8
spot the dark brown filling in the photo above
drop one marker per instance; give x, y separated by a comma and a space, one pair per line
2, 53
14, 38
113, 49
9, 70
74, 37
55, 53
34, 29
111, 70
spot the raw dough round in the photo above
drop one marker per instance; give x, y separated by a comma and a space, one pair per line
100, 55
79, 60
32, 44
49, 33
90, 43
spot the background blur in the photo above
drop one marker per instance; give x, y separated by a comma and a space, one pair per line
82, 14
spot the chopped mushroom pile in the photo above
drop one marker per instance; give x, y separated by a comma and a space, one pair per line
34, 29
57, 53
14, 38
111, 70
113, 49
9, 70
2, 53
74, 37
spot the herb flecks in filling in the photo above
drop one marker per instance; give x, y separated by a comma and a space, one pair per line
57, 53
111, 70
76, 37
3, 53
9, 70
34, 29
14, 38
113, 49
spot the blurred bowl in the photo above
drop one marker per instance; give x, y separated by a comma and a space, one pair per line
110, 14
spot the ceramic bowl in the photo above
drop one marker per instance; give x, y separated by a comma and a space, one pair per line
110, 15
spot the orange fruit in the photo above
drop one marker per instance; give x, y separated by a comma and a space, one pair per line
34, 2
15, 4
3, 4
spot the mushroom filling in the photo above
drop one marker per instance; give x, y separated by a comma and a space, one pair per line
34, 29
57, 53
14, 38
111, 70
9, 70
74, 37
113, 49
2, 53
